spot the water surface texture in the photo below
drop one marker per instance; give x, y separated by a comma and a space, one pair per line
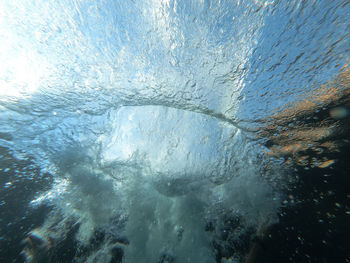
173, 131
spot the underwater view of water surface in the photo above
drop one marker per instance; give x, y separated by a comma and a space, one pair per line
167, 131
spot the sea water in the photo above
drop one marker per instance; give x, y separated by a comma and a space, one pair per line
145, 117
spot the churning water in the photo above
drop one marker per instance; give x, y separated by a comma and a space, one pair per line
162, 131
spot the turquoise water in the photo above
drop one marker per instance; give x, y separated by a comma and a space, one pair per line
145, 120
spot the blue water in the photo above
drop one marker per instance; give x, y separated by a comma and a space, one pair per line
142, 118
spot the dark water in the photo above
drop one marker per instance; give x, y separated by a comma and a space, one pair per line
316, 228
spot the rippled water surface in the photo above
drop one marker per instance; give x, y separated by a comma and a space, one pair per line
174, 131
